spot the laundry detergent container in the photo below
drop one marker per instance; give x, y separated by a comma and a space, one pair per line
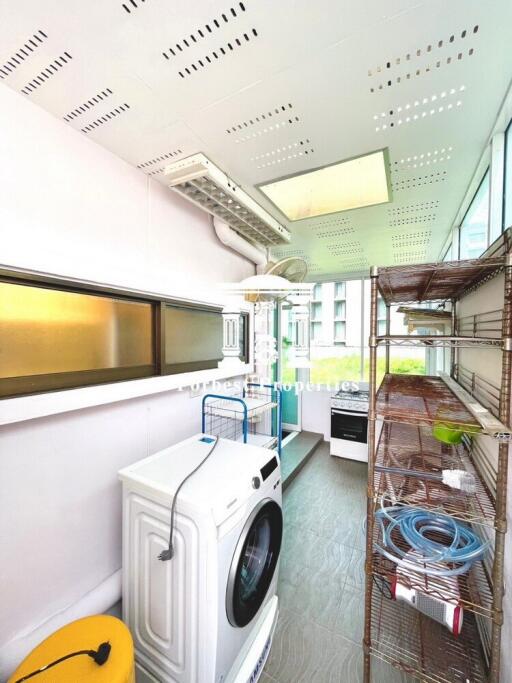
84, 634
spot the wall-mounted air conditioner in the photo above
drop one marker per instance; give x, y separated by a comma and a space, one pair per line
204, 184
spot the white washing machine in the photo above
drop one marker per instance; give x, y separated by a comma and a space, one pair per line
207, 615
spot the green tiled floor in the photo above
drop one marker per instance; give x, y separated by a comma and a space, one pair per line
321, 582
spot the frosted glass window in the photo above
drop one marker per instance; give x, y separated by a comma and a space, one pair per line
53, 339
193, 339
474, 229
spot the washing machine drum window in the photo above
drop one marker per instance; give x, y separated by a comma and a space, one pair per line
254, 562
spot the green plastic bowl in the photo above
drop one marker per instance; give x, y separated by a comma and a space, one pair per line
450, 433
447, 433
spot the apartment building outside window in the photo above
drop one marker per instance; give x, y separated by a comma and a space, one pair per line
340, 320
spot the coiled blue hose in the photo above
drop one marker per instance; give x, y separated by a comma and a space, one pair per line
463, 546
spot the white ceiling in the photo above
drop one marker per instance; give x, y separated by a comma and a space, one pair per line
274, 87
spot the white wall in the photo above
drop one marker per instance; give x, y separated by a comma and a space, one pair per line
69, 207
316, 412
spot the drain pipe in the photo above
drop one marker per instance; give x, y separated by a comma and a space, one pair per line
233, 240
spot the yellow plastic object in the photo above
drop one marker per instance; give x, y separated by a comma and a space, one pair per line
83, 634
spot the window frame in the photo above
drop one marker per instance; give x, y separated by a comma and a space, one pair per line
447, 251
192, 366
486, 174
29, 385
508, 141
245, 326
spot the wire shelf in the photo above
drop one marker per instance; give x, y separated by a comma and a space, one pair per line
444, 280
435, 281
235, 411
472, 591
411, 409
421, 399
261, 440
438, 340
413, 447
413, 643
222, 420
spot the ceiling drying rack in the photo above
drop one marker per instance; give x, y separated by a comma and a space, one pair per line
408, 406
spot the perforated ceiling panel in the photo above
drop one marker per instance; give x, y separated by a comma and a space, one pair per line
269, 89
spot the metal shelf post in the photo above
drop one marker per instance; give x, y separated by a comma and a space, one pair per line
371, 468
501, 483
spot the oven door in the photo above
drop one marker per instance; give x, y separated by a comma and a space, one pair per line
349, 426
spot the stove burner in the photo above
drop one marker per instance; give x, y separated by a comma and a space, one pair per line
360, 395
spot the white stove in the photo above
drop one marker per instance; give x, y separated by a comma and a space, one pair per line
349, 423
351, 400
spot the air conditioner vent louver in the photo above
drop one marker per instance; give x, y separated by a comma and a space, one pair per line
47, 73
332, 234
403, 68
131, 5
419, 181
351, 264
339, 223
220, 52
410, 256
415, 110
419, 160
105, 118
83, 108
411, 209
287, 253
283, 154
263, 123
422, 218
200, 181
404, 241
22, 53
162, 158
157, 171
340, 249
204, 31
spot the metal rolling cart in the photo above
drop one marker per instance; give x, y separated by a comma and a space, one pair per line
255, 417
409, 406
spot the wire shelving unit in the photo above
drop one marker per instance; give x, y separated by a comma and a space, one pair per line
254, 417
406, 407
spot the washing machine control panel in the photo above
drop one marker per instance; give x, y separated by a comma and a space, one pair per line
267, 469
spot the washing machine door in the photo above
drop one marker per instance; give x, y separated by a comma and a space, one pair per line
254, 562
